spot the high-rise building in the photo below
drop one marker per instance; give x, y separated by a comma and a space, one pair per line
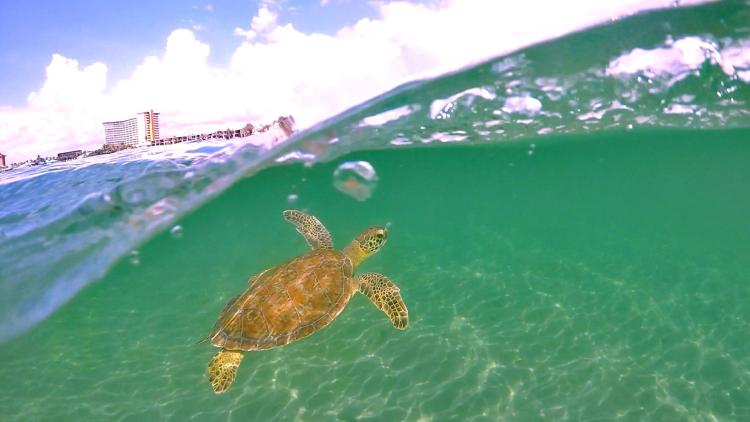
148, 126
2, 160
143, 129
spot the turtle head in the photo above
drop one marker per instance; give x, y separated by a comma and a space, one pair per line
372, 239
367, 243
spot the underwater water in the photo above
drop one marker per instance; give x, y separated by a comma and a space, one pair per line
570, 233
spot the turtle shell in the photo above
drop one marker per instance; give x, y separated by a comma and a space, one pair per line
286, 303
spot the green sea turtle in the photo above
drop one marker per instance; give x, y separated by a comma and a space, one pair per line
299, 297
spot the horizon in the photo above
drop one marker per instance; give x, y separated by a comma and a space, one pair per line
217, 63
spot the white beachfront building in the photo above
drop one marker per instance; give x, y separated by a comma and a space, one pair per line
143, 129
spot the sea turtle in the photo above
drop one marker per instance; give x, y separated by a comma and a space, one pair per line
299, 297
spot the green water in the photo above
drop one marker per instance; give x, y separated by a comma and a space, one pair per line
598, 277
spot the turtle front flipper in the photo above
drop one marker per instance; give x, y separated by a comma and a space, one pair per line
386, 296
223, 368
311, 228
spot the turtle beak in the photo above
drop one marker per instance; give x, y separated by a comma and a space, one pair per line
383, 233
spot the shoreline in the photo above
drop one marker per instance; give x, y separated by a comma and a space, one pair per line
278, 130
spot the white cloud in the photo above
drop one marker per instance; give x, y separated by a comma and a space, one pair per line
66, 111
264, 22
278, 69
245, 33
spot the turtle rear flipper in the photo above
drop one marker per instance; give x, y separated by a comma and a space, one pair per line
386, 296
223, 368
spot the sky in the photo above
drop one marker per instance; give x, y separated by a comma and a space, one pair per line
66, 67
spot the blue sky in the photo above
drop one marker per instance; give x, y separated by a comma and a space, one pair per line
120, 33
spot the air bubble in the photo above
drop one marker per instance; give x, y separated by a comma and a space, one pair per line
176, 231
522, 105
134, 257
356, 179
292, 198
